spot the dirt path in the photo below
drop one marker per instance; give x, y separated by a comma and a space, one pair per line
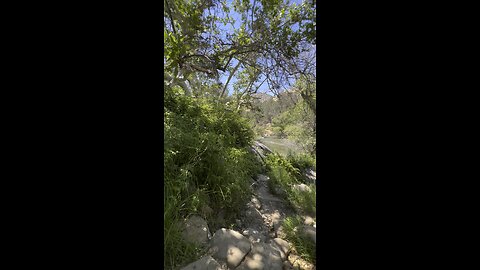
257, 241
264, 213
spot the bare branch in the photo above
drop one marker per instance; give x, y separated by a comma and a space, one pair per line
230, 77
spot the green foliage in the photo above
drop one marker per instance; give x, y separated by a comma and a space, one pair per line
277, 161
304, 246
206, 134
284, 174
305, 201
178, 251
302, 161
297, 123
206, 163
265, 32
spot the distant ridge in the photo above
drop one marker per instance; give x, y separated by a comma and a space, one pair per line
262, 97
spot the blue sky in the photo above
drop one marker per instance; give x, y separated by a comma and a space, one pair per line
229, 28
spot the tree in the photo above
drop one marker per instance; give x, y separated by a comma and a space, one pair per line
269, 45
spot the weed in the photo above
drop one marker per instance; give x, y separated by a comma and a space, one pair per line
304, 246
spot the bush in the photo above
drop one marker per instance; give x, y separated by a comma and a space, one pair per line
206, 163
305, 201
283, 174
304, 247
302, 161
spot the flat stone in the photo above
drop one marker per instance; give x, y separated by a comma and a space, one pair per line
262, 256
205, 263
196, 230
282, 246
229, 246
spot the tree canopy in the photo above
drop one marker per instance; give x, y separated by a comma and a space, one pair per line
248, 42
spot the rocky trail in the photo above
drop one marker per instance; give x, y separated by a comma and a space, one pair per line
258, 243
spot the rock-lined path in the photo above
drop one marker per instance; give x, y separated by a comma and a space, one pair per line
259, 243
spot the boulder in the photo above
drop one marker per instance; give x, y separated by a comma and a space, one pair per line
310, 232
282, 246
229, 246
205, 263
302, 187
309, 221
311, 176
196, 230
254, 235
287, 265
262, 256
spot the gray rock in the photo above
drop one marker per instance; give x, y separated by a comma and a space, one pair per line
282, 246
258, 154
262, 256
310, 232
256, 202
254, 235
229, 246
279, 230
205, 263
262, 178
309, 221
253, 216
287, 265
263, 147
196, 230
302, 187
311, 176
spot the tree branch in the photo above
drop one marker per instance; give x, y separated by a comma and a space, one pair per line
230, 77
169, 11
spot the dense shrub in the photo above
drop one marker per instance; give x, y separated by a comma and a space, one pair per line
206, 163
302, 161
284, 175
304, 246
